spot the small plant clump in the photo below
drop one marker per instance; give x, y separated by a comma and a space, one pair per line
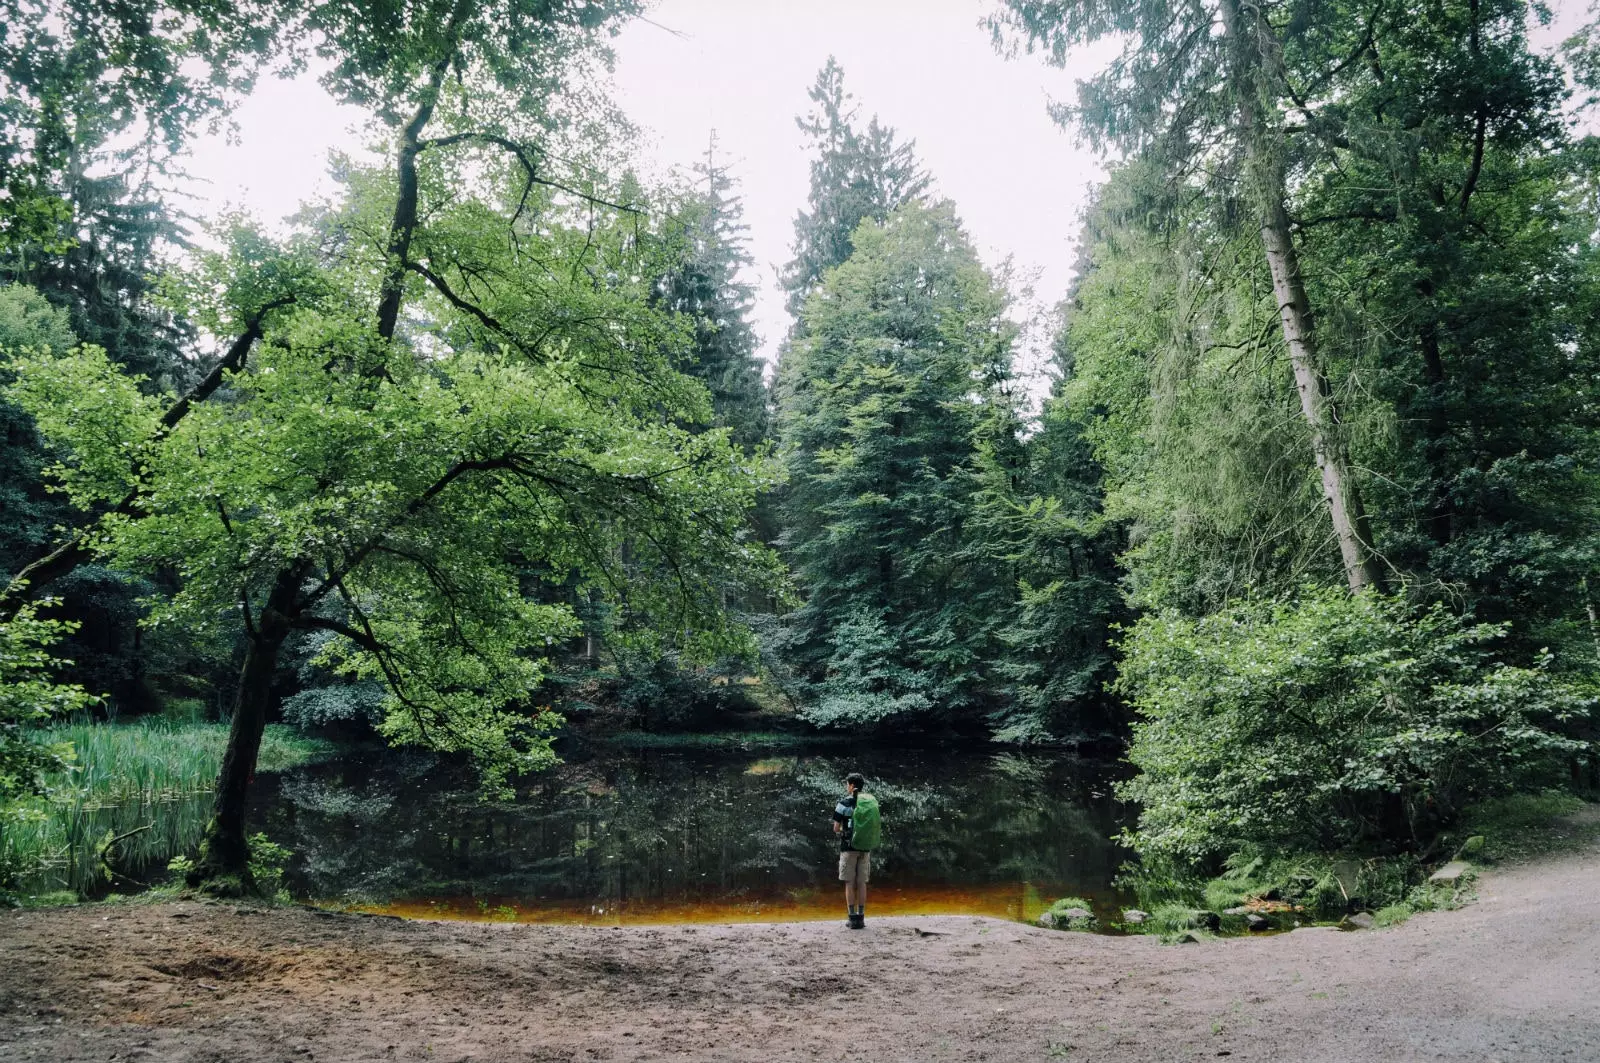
1070, 913
1256, 892
268, 861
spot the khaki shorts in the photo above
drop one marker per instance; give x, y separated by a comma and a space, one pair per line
855, 867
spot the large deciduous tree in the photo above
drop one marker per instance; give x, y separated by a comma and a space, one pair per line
455, 375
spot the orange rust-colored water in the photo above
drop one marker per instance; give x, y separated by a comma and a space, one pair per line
1016, 901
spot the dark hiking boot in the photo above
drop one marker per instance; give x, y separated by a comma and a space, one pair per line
857, 921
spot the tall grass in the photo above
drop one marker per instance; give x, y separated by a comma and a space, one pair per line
134, 796
159, 760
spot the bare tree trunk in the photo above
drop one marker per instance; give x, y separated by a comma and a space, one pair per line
224, 865
1593, 612
1253, 49
1436, 427
1350, 525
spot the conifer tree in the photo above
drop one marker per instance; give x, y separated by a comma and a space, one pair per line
883, 413
856, 174
709, 288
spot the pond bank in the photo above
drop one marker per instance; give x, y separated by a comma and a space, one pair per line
1513, 976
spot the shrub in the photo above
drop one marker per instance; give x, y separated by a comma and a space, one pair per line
1329, 723
29, 695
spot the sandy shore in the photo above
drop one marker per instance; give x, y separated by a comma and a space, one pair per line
1515, 977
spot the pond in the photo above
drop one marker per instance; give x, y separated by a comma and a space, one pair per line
658, 836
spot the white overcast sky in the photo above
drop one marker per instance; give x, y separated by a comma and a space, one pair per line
742, 67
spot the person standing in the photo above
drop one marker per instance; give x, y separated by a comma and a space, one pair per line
858, 824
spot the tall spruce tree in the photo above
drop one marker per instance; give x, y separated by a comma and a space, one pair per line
857, 174
709, 288
887, 410
1211, 88
1040, 514
1439, 217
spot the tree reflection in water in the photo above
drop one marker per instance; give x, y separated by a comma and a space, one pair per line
672, 836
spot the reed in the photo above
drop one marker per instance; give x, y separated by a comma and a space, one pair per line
145, 784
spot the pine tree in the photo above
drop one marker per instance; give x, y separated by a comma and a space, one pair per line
1042, 514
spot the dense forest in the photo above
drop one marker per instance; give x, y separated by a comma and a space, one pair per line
480, 453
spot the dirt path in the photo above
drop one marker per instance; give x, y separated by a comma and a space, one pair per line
1515, 977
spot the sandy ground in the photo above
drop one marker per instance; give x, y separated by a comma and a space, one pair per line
1515, 977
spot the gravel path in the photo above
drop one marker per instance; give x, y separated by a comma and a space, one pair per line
1514, 977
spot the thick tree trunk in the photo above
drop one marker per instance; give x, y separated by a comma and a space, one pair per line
1254, 48
224, 865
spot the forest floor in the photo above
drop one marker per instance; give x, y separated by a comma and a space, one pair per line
1514, 976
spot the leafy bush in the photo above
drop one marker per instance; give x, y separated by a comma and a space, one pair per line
268, 861
359, 702
867, 680
30, 695
1329, 723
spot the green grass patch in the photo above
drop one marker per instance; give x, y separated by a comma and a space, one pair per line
160, 758
1524, 826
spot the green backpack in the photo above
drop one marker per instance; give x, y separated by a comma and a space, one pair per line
866, 825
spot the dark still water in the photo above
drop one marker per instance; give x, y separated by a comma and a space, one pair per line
656, 836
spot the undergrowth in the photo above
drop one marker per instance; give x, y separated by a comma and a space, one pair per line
1296, 889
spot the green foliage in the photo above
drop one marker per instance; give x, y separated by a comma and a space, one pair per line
1057, 917
78, 74
1040, 515
707, 288
268, 860
156, 759
857, 175
1520, 826
665, 694
403, 498
1303, 880
81, 397
29, 321
30, 695
1175, 922
1328, 722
